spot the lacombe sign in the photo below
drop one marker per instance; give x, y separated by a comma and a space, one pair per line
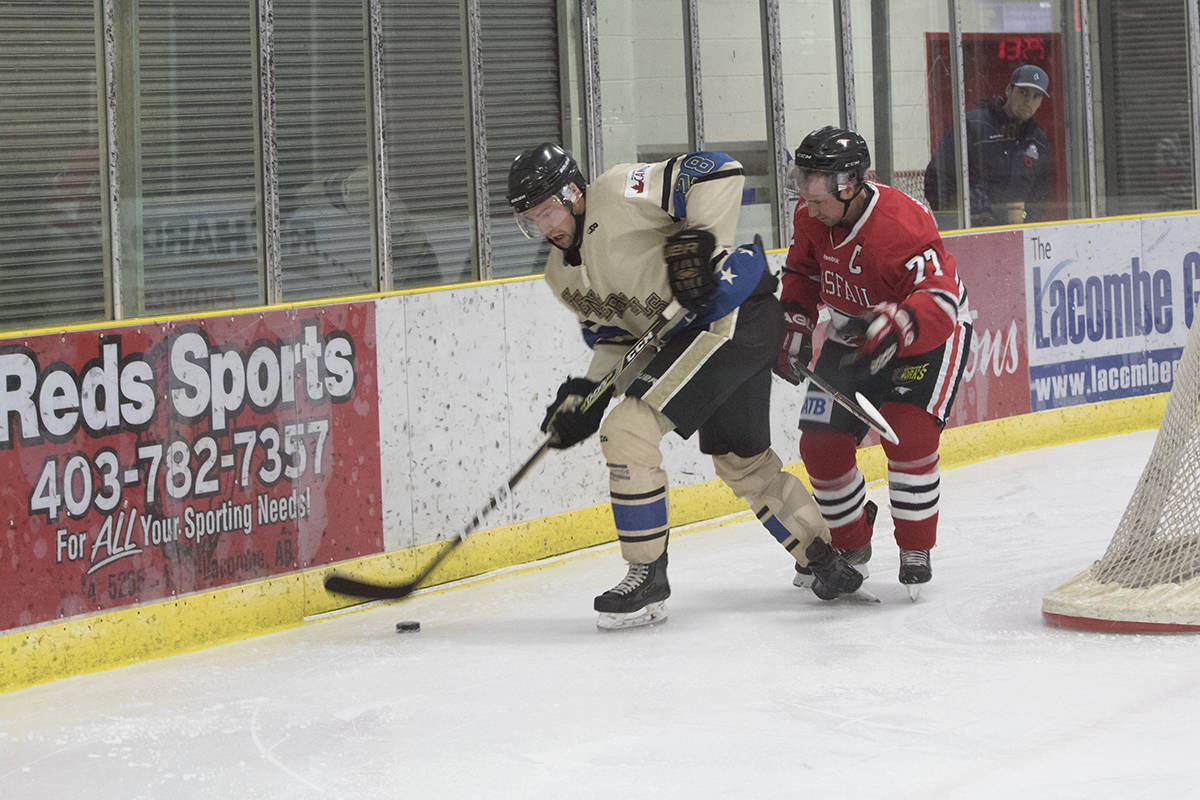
1112, 325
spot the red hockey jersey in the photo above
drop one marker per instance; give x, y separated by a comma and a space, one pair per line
893, 253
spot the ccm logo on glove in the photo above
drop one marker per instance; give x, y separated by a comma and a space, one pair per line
566, 420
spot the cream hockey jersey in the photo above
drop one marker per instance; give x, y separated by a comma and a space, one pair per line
893, 253
621, 285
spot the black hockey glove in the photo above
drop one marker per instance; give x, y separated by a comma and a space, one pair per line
565, 422
689, 267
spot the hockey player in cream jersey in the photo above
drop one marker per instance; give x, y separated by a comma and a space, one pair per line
624, 246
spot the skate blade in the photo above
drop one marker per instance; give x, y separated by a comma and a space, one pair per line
652, 614
802, 581
860, 595
914, 590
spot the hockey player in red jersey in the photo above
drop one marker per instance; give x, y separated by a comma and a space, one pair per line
899, 332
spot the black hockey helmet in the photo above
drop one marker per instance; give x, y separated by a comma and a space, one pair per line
839, 153
541, 172
833, 150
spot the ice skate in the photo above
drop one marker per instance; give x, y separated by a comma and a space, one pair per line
914, 571
832, 577
637, 600
858, 557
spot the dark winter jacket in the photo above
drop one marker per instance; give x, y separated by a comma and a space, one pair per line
1007, 161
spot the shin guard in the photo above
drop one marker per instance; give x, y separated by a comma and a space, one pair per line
630, 439
778, 498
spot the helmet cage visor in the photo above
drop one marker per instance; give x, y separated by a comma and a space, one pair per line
536, 221
834, 183
526, 225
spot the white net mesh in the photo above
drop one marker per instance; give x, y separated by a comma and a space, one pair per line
911, 182
1149, 577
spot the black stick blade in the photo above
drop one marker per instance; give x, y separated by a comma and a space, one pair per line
339, 584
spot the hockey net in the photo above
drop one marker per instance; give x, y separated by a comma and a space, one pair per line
1149, 577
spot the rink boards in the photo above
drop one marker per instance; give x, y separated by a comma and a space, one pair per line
174, 483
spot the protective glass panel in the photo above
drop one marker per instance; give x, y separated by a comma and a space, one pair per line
642, 80
429, 143
192, 199
810, 83
894, 78
51, 218
1016, 133
1144, 107
323, 132
523, 98
735, 118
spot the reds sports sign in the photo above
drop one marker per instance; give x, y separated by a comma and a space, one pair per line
161, 459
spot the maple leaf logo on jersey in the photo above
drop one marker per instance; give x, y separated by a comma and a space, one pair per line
635, 185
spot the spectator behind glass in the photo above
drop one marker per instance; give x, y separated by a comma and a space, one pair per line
1008, 156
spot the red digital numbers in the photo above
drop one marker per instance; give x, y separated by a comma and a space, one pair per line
1021, 48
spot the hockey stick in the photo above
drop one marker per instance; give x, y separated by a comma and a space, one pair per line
345, 585
863, 409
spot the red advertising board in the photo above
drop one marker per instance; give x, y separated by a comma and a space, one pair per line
152, 460
996, 378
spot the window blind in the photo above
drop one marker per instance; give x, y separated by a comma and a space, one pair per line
196, 155
522, 92
323, 135
1147, 119
51, 214
429, 142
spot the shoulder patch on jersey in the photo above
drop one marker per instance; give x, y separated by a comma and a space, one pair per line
637, 183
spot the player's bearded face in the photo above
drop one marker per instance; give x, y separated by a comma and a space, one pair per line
551, 219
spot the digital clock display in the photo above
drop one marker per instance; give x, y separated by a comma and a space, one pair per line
1026, 49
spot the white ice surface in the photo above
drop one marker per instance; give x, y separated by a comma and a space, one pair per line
750, 689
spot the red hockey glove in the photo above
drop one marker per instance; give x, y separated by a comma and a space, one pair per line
797, 349
885, 329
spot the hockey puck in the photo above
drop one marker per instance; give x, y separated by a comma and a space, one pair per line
408, 626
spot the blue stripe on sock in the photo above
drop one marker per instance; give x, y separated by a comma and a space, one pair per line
776, 529
642, 517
